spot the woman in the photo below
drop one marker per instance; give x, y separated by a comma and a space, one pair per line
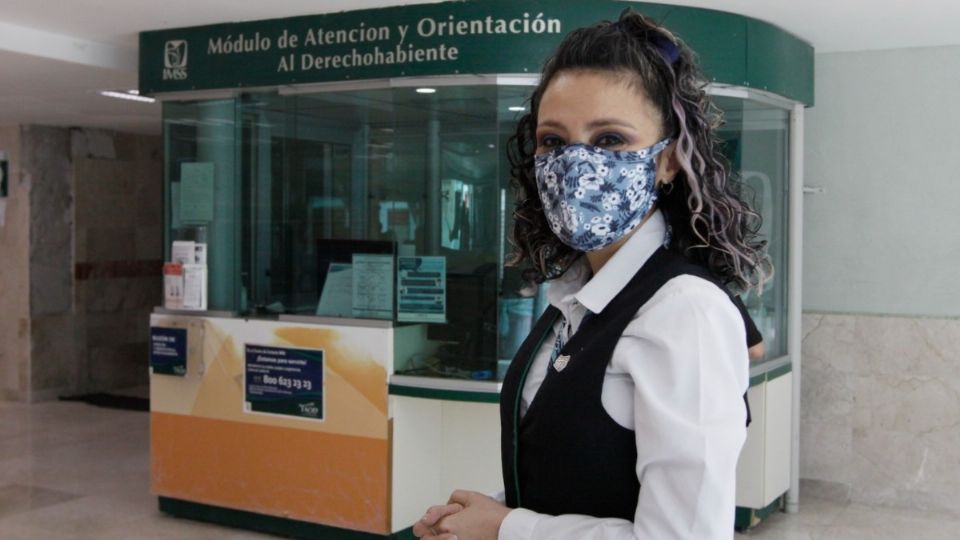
635, 374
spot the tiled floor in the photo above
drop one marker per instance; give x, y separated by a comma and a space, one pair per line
73, 471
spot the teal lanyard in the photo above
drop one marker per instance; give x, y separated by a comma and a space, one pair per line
559, 342
516, 409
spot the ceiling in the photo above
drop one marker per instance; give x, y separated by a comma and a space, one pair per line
57, 55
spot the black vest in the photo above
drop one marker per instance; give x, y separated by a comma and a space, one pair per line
566, 455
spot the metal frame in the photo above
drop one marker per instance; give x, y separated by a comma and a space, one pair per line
753, 94
795, 296
412, 82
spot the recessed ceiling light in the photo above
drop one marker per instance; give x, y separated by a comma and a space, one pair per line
426, 90
128, 95
517, 108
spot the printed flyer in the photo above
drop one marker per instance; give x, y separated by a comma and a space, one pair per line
168, 351
284, 381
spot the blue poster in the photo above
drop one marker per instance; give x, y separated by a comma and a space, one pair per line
285, 381
422, 289
168, 351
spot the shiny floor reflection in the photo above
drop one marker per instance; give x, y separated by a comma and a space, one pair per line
74, 471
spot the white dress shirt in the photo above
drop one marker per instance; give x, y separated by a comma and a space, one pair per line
676, 378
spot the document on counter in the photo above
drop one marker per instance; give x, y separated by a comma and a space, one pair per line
422, 289
336, 299
373, 286
195, 286
173, 285
183, 252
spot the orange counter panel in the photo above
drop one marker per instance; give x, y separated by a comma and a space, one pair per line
329, 479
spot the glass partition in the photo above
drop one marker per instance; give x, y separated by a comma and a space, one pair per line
200, 208
395, 204
384, 203
757, 143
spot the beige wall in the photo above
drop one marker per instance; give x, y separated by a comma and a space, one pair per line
14, 275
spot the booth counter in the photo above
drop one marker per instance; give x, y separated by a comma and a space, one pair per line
367, 453
349, 220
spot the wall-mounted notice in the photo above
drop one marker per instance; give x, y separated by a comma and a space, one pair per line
284, 381
373, 286
168, 351
196, 192
422, 289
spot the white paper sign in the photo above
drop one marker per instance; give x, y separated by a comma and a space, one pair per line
195, 286
373, 286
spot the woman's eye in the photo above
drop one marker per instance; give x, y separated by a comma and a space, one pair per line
550, 141
608, 139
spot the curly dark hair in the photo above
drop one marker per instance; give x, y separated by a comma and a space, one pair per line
709, 220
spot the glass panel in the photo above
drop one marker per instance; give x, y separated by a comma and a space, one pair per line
757, 143
298, 178
204, 133
330, 175
521, 299
306, 183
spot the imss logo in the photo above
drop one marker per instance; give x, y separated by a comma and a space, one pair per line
175, 60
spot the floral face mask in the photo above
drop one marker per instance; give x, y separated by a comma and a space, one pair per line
593, 197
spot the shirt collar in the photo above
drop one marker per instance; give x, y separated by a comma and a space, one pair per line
562, 290
620, 269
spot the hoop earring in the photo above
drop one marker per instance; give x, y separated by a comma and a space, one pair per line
666, 188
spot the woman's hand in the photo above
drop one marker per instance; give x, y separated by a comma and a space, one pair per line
428, 527
467, 516
479, 519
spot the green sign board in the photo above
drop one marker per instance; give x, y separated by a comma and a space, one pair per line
450, 38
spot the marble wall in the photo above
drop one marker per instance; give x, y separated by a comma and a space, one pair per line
880, 413
47, 168
119, 253
82, 259
14, 275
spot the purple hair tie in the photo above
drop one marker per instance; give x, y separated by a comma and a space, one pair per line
667, 48
664, 45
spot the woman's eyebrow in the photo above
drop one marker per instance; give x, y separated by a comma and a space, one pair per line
549, 123
592, 125
609, 122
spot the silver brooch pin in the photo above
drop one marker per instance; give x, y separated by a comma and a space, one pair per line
561, 362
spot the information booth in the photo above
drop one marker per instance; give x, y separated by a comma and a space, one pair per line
337, 187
